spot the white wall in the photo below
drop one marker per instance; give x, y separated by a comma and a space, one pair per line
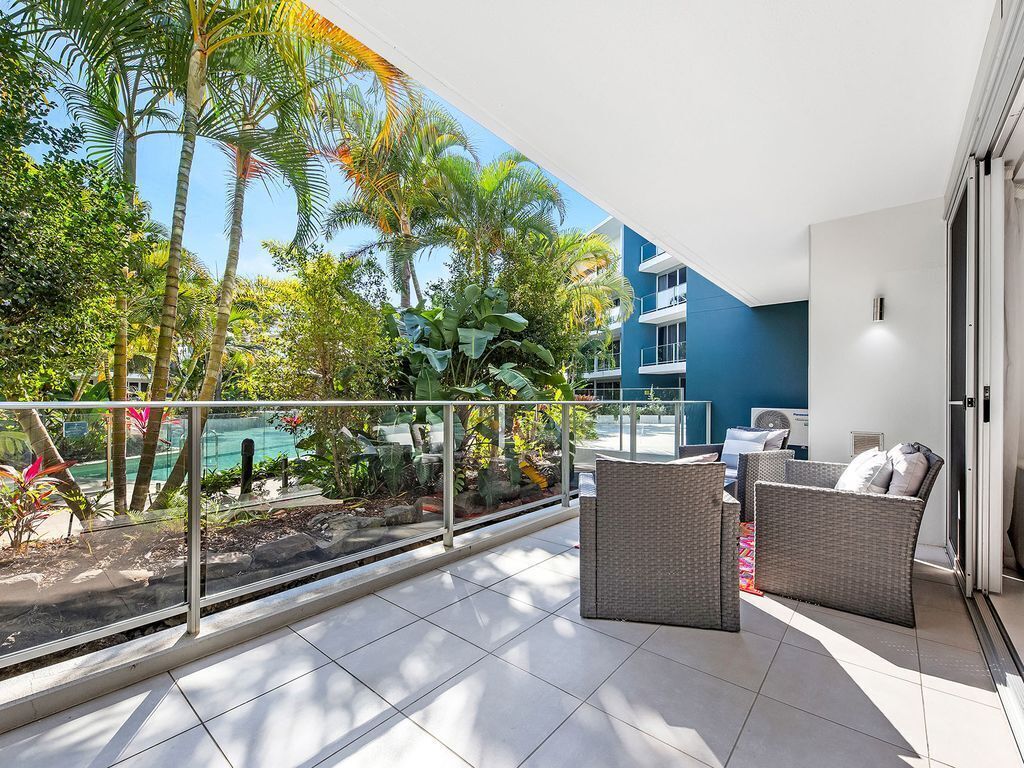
891, 376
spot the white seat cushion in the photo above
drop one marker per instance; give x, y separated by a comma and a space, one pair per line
870, 472
909, 466
739, 440
704, 458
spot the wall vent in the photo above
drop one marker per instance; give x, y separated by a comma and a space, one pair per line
865, 441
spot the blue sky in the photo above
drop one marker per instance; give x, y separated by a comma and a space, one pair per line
271, 215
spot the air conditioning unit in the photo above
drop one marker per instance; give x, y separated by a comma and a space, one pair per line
793, 419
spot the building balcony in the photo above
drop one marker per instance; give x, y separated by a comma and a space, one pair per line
605, 366
664, 358
654, 260
664, 306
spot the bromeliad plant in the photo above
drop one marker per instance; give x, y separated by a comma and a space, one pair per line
26, 499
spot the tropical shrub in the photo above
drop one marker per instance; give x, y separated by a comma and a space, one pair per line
26, 499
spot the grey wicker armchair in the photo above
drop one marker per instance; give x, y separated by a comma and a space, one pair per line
658, 544
751, 467
849, 551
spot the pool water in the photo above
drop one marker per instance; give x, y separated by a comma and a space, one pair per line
222, 447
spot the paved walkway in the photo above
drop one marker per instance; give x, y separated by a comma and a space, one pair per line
487, 663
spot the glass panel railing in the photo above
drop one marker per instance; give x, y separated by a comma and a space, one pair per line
76, 556
669, 297
663, 354
608, 361
650, 251
304, 489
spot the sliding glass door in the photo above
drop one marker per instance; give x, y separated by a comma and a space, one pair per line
962, 271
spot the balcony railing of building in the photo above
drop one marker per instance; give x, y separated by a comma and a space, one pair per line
246, 497
663, 353
670, 297
607, 361
650, 251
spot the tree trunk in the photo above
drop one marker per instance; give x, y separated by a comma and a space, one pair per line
42, 445
405, 297
218, 343
416, 283
119, 383
406, 300
165, 344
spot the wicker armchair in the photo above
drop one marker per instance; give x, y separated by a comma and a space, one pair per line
751, 467
849, 551
658, 544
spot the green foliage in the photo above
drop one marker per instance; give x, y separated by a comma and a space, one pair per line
66, 227
472, 347
222, 480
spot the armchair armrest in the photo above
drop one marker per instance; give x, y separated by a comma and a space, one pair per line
686, 451
752, 467
815, 474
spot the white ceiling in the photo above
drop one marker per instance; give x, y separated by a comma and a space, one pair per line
719, 130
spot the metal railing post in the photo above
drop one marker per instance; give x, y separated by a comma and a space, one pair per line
707, 423
501, 429
449, 476
677, 413
566, 453
195, 497
632, 431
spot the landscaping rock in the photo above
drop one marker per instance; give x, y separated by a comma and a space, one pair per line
426, 504
331, 524
22, 581
102, 580
469, 503
504, 490
19, 594
285, 549
402, 515
353, 540
224, 564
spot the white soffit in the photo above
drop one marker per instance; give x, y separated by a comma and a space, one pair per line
719, 130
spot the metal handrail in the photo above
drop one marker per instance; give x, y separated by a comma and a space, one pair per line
193, 598
660, 300
663, 353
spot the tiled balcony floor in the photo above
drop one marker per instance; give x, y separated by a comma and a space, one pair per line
487, 663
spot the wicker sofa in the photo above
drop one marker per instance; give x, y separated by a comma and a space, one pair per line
849, 551
751, 467
658, 544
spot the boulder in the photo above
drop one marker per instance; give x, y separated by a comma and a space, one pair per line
102, 580
19, 594
284, 550
469, 503
220, 565
345, 542
329, 524
402, 515
429, 504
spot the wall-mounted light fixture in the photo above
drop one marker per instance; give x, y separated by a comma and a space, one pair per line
878, 309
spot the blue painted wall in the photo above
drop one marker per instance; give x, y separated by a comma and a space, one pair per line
635, 335
741, 357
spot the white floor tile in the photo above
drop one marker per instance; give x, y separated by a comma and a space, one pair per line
567, 533
486, 568
877, 704
633, 632
739, 657
567, 655
493, 715
301, 723
765, 615
541, 587
567, 563
958, 672
869, 645
779, 736
403, 666
698, 714
224, 680
191, 748
430, 592
538, 550
487, 619
343, 629
964, 733
398, 743
594, 739
947, 627
102, 731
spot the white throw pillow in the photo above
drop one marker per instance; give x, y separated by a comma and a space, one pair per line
704, 458
909, 466
739, 440
869, 472
775, 439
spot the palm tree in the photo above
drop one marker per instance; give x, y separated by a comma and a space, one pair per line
486, 211
204, 36
114, 87
588, 264
392, 184
258, 113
